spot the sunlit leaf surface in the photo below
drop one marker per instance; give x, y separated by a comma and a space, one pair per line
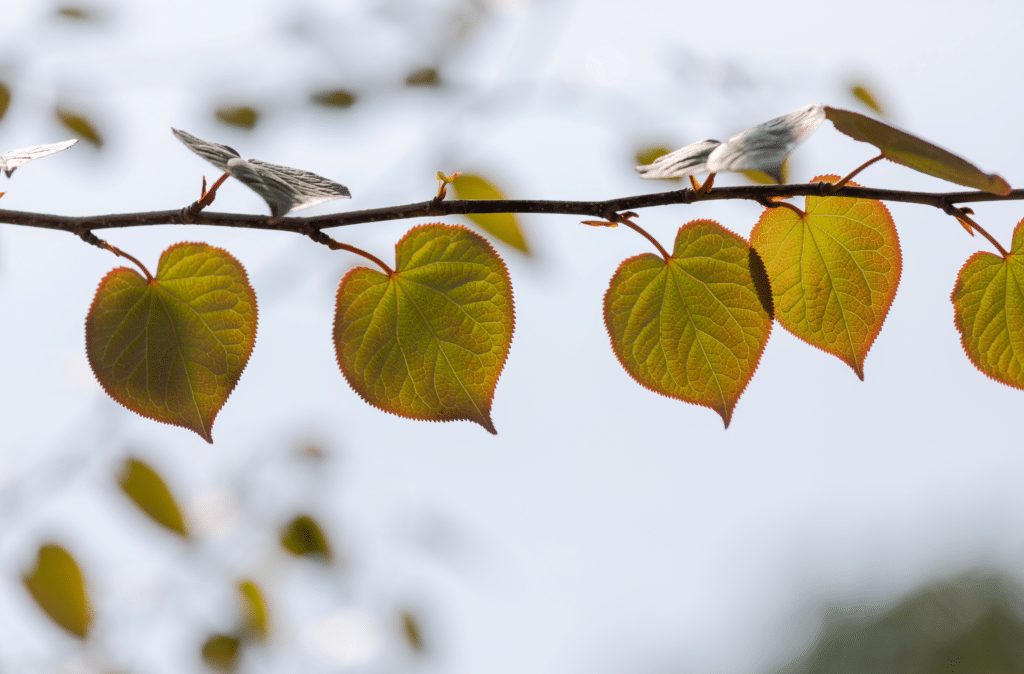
430, 341
989, 312
173, 349
143, 485
303, 536
692, 328
504, 226
913, 152
833, 273
57, 586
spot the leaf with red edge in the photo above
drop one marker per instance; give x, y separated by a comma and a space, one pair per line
694, 327
833, 272
913, 152
989, 312
172, 348
430, 340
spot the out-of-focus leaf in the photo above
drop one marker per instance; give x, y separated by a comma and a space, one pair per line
241, 116
255, 620
766, 146
685, 161
423, 77
12, 159
174, 347
864, 95
762, 178
334, 98
143, 485
411, 630
834, 272
80, 125
57, 586
989, 312
220, 652
430, 340
646, 155
77, 13
5, 99
504, 226
303, 536
284, 189
903, 148
692, 328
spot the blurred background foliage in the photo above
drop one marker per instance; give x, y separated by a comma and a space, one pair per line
251, 571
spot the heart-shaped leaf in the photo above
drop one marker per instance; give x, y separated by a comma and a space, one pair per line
505, 226
694, 327
57, 586
144, 485
989, 312
766, 146
172, 348
430, 340
913, 152
833, 272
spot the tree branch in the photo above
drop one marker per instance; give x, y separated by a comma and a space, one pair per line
435, 208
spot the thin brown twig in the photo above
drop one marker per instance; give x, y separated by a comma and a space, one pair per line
334, 244
623, 218
857, 170
961, 214
92, 239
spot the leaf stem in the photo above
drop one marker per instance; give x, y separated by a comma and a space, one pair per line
333, 244
94, 240
189, 213
857, 170
961, 214
624, 219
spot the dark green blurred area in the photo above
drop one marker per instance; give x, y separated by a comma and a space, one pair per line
970, 624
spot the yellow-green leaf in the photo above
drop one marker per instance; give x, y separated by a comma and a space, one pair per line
220, 652
5, 99
504, 226
143, 485
430, 340
411, 630
833, 272
694, 327
303, 536
255, 620
80, 126
864, 95
172, 348
913, 152
242, 116
57, 586
989, 312
334, 98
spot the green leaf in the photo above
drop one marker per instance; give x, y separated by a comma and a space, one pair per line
910, 151
504, 226
430, 340
254, 610
303, 536
173, 348
220, 652
834, 273
864, 95
143, 485
57, 586
5, 99
423, 77
241, 116
80, 126
334, 98
694, 327
988, 300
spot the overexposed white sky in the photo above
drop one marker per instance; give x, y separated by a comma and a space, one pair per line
605, 529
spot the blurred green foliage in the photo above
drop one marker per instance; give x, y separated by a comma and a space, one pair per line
220, 652
504, 226
333, 98
303, 536
57, 585
255, 621
147, 489
80, 125
241, 116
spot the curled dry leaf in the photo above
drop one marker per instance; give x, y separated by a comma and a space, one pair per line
430, 340
173, 348
989, 312
685, 161
833, 271
12, 159
766, 146
692, 327
913, 152
284, 189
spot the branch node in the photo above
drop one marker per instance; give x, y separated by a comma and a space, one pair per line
189, 214
768, 203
